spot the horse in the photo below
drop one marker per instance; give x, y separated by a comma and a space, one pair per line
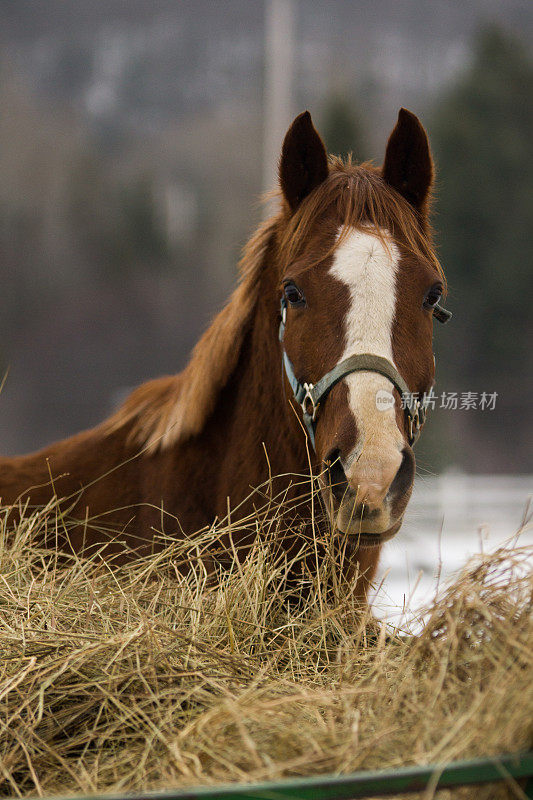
304, 371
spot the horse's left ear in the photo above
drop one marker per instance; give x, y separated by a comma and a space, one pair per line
304, 162
408, 166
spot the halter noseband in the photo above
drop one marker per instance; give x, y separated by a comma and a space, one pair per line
309, 396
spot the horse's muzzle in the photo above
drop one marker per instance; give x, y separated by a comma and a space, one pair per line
371, 510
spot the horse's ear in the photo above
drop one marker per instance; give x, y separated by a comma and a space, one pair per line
304, 162
408, 166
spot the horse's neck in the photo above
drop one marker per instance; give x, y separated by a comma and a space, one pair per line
262, 430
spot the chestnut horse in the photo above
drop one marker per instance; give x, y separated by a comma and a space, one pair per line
304, 367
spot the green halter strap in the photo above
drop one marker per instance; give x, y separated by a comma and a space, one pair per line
309, 396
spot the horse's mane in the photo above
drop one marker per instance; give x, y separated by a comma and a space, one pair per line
168, 410
174, 408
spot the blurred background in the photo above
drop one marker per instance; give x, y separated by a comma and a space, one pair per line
135, 141
134, 146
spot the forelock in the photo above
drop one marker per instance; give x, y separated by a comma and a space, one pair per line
356, 197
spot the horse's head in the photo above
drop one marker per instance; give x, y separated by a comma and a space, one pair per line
359, 283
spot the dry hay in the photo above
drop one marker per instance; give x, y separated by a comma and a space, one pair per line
142, 678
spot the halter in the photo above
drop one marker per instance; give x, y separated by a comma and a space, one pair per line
309, 396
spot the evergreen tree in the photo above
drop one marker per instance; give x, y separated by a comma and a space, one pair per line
482, 136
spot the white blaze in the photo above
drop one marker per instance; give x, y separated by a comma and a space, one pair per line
369, 270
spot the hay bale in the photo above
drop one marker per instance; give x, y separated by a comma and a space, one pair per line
145, 678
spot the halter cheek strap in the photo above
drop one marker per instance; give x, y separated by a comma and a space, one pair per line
309, 396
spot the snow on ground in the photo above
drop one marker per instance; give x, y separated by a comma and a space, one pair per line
449, 518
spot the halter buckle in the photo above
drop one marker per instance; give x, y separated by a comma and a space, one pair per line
308, 398
414, 422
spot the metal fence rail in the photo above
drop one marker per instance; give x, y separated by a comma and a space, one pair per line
360, 784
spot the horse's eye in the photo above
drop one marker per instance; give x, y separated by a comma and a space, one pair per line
433, 296
294, 295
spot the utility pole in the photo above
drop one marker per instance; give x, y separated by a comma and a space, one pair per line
278, 89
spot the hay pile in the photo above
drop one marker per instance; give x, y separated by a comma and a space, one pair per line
141, 678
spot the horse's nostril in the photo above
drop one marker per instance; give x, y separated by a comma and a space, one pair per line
405, 475
363, 512
336, 475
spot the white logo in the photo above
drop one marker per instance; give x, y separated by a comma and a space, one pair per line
384, 400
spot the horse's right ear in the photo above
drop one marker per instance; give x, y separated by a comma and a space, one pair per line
304, 162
